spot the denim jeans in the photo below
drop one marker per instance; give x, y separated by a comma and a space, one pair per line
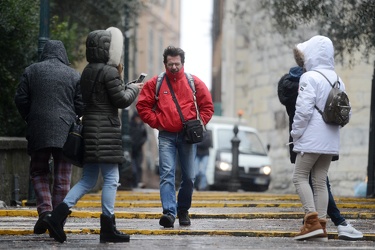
201, 162
171, 144
332, 210
88, 181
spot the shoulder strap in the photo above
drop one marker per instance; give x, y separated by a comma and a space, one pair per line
175, 101
332, 85
160, 78
190, 79
158, 84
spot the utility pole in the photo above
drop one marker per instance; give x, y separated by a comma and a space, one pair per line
126, 172
43, 38
43, 26
371, 148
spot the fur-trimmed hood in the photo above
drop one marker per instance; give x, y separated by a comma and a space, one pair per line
105, 46
316, 53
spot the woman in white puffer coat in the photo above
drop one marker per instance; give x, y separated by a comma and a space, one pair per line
315, 141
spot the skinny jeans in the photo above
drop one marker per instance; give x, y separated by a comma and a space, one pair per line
88, 181
317, 166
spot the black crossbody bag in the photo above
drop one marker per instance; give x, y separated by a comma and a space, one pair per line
193, 129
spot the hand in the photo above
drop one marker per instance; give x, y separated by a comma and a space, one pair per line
139, 85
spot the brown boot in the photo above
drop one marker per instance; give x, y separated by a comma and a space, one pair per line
324, 236
311, 227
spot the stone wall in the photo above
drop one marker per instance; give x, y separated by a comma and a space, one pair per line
14, 168
254, 57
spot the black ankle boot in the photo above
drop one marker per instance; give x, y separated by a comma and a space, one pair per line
55, 221
108, 231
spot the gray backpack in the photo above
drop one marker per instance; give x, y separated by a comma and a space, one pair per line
337, 108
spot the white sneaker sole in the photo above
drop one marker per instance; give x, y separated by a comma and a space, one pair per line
309, 235
344, 236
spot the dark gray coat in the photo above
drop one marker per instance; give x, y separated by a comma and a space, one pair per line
102, 128
48, 98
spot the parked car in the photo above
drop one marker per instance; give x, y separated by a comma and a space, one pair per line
254, 165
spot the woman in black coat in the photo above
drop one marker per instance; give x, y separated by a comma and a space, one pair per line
103, 93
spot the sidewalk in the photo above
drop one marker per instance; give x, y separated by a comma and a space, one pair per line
240, 215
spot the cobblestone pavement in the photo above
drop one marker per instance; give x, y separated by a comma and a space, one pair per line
220, 220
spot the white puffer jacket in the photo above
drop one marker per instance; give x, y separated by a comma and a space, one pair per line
310, 133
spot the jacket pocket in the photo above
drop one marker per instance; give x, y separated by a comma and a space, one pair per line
115, 121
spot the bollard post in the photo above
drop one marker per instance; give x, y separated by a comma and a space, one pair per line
234, 183
16, 192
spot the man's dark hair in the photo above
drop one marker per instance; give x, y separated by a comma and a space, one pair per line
173, 51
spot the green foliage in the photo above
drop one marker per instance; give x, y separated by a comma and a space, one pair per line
18, 47
70, 22
350, 24
70, 36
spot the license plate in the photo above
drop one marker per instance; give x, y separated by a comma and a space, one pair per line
260, 181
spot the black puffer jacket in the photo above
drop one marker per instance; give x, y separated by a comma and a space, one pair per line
103, 98
49, 98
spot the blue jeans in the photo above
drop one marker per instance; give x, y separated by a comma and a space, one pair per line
88, 181
332, 210
171, 144
201, 162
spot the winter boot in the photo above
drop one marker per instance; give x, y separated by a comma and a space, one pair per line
39, 227
108, 231
55, 221
311, 227
321, 237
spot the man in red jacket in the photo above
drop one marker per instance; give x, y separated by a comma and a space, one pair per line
160, 112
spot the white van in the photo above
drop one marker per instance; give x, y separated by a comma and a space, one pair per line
254, 170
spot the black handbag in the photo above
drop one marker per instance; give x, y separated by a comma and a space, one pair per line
193, 129
74, 146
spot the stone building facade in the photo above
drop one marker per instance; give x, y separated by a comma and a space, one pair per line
249, 59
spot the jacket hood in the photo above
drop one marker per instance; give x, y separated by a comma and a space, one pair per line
318, 53
105, 46
55, 49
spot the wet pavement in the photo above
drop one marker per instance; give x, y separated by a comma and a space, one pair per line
220, 220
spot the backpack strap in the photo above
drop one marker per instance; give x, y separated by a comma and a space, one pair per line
160, 79
190, 79
158, 84
332, 85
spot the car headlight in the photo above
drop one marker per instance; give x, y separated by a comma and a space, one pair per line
224, 166
265, 170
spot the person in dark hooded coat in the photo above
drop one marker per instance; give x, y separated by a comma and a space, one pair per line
103, 93
49, 99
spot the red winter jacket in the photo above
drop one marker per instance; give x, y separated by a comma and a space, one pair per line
165, 116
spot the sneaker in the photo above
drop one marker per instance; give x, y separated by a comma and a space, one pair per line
348, 232
39, 227
183, 218
166, 220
